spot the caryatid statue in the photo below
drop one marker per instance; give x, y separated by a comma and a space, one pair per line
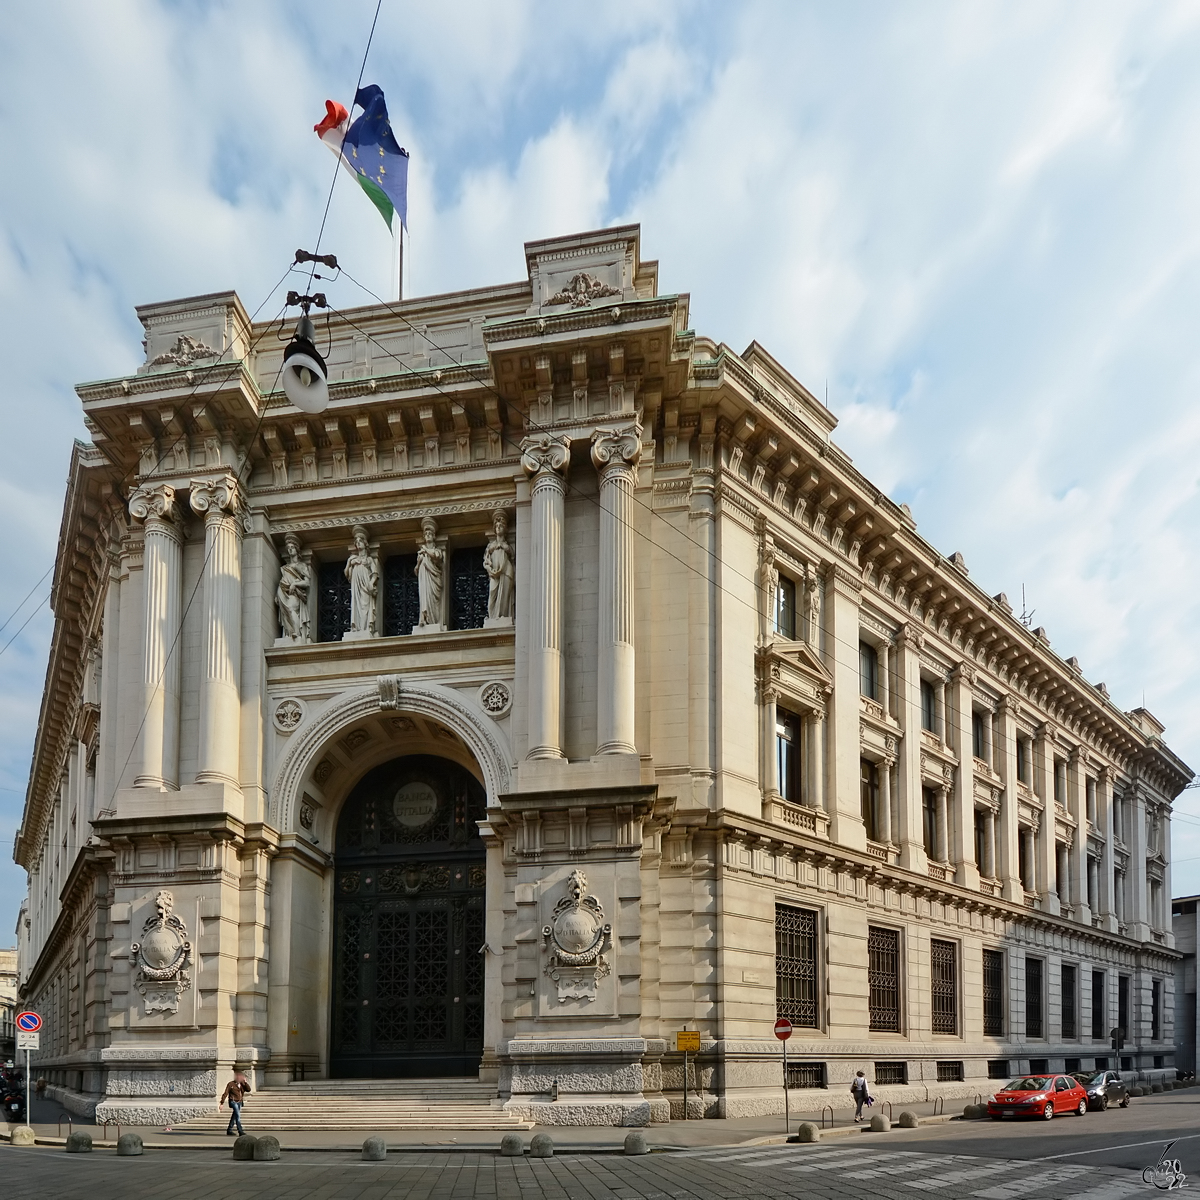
430, 572
291, 596
362, 570
498, 562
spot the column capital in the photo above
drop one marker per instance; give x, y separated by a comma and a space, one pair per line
912, 637
153, 500
544, 454
964, 672
1009, 706
220, 495
619, 447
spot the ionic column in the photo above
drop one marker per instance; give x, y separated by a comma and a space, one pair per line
615, 455
989, 844
816, 793
943, 833
161, 590
220, 696
544, 459
885, 801
1077, 854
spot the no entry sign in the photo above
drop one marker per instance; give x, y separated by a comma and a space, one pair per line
783, 1029
28, 1022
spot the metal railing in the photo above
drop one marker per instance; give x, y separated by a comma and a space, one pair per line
888, 1105
828, 1108
70, 1126
105, 1124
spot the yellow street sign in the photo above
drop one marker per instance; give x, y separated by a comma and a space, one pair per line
687, 1041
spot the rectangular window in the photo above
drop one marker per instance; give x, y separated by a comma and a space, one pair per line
1099, 1007
891, 1073
978, 745
1160, 1060
469, 587
950, 1072
1069, 1031
1126, 1062
943, 962
806, 1075
1155, 1010
333, 601
1024, 858
869, 775
928, 706
1022, 760
1101, 1062
929, 820
883, 978
868, 670
1060, 782
1156, 921
1039, 1066
401, 598
788, 741
997, 1068
993, 994
980, 839
785, 609
1071, 1065
1034, 1023
1123, 1005
796, 965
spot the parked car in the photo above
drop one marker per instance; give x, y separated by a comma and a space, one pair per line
1039, 1096
1103, 1088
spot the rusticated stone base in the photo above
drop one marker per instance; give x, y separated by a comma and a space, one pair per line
148, 1112
578, 1111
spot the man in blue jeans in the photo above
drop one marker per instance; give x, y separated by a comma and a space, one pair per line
235, 1092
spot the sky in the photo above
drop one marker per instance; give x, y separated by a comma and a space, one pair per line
974, 227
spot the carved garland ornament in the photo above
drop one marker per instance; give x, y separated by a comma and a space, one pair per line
582, 290
576, 937
163, 957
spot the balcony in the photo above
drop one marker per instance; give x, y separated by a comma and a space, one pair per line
939, 871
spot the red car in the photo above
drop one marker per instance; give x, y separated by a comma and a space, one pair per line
1039, 1096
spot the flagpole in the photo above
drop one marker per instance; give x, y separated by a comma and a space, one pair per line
400, 271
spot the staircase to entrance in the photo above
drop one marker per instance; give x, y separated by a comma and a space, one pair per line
369, 1106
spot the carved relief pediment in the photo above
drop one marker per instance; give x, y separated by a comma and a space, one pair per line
793, 672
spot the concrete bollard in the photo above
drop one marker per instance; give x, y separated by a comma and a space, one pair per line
79, 1143
266, 1149
808, 1132
23, 1135
1136, 1091
243, 1147
880, 1124
374, 1150
128, 1145
974, 1111
908, 1120
635, 1143
1156, 1088
511, 1145
541, 1146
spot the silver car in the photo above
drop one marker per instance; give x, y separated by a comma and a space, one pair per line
1103, 1088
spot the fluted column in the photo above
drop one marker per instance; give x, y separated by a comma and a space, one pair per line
1077, 854
941, 822
544, 459
161, 590
220, 695
615, 455
885, 800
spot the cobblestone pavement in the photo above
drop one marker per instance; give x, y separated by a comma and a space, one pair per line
811, 1172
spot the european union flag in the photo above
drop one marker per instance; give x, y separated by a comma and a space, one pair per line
379, 162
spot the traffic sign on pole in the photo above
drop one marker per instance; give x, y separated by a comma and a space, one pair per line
28, 1021
28, 1041
28, 1038
783, 1029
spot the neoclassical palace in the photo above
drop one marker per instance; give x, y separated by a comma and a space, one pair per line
560, 687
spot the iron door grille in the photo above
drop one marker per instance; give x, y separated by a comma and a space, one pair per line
944, 980
883, 978
469, 587
993, 993
1098, 1031
401, 597
333, 601
796, 965
1034, 1025
1069, 1023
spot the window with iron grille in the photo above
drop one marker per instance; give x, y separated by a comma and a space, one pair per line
1039, 1066
950, 1072
806, 1075
993, 993
998, 1068
944, 978
1071, 1065
469, 587
1126, 1062
333, 601
883, 978
1155, 1010
1068, 1002
1123, 1005
1034, 1023
401, 597
1099, 1033
1101, 1062
891, 1072
796, 965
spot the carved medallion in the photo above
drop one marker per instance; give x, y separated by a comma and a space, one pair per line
322, 771
288, 715
162, 957
576, 938
495, 698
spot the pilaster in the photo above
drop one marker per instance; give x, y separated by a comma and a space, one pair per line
843, 594
1077, 855
909, 796
962, 831
1044, 849
1007, 855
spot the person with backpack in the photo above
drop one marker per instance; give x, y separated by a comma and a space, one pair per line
236, 1091
861, 1094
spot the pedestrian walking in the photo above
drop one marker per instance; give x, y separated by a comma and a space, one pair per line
236, 1091
861, 1094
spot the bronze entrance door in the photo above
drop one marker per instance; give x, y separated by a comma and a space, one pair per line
409, 924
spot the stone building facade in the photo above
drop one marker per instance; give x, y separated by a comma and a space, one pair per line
562, 686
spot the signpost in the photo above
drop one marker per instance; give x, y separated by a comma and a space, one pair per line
687, 1041
29, 1037
783, 1031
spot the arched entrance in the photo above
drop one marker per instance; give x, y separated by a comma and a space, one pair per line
408, 921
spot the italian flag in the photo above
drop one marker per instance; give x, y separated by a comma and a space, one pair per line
332, 131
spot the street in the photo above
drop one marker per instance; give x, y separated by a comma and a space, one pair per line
1097, 1157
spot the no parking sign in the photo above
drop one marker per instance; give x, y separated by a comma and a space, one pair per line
29, 1035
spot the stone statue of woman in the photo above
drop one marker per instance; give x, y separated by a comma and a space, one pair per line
430, 568
291, 596
498, 562
362, 569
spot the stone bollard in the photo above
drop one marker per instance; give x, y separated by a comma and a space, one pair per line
243, 1147
880, 1124
635, 1143
128, 1145
541, 1146
908, 1120
1136, 1091
974, 1111
374, 1150
79, 1143
1156, 1088
808, 1132
511, 1145
266, 1149
23, 1135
